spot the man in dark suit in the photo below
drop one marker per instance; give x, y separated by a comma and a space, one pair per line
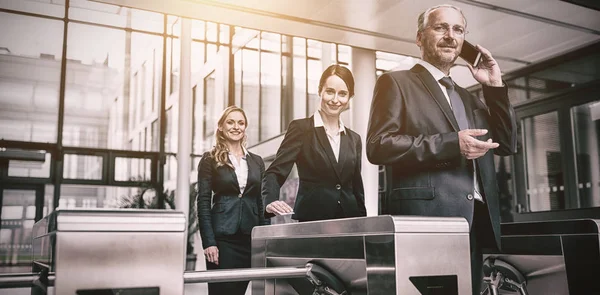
437, 140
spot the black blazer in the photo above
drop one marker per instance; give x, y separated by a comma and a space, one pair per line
324, 183
412, 130
222, 209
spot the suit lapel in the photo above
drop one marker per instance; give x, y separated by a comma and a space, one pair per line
346, 152
252, 167
232, 173
326, 147
434, 90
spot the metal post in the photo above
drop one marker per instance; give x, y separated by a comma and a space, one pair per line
185, 125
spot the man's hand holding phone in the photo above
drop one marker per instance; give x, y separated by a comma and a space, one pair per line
483, 66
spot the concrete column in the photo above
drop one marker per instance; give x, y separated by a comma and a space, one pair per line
184, 146
363, 67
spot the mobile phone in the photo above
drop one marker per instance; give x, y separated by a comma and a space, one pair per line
470, 54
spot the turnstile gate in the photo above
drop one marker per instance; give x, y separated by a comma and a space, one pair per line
90, 252
548, 257
371, 255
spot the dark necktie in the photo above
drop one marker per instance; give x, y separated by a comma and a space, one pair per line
458, 108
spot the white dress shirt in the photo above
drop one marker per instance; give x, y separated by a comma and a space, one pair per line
334, 140
437, 75
241, 169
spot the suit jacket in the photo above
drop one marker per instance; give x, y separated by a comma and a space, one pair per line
324, 182
412, 130
222, 209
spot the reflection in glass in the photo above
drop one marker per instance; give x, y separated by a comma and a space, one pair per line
30, 168
586, 130
315, 69
113, 87
270, 90
299, 68
118, 16
132, 169
211, 112
250, 93
29, 77
15, 227
52, 8
82, 167
96, 196
545, 178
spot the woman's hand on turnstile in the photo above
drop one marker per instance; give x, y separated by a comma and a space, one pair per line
212, 254
279, 208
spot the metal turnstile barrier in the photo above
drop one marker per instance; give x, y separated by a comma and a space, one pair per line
371, 255
547, 257
84, 252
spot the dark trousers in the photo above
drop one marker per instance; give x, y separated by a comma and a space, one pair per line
481, 236
234, 252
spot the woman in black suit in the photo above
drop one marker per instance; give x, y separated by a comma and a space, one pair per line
327, 155
229, 199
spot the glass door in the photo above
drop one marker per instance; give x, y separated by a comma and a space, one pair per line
18, 213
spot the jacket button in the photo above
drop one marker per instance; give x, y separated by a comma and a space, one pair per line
339, 202
470, 197
240, 195
338, 186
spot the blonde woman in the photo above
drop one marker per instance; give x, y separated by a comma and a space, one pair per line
229, 199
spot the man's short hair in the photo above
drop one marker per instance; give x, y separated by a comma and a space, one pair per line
424, 16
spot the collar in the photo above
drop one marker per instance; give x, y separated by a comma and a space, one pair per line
435, 72
318, 120
245, 153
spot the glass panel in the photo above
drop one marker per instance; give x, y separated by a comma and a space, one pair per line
174, 25
237, 77
250, 94
133, 169
197, 56
48, 199
344, 54
171, 169
545, 179
270, 41
197, 119
45, 7
211, 111
299, 68
388, 61
29, 77
211, 32
92, 196
171, 130
224, 34
586, 130
30, 168
198, 29
173, 64
314, 48
270, 106
112, 15
16, 226
315, 68
82, 167
245, 37
113, 86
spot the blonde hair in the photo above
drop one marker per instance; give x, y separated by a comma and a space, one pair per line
220, 151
